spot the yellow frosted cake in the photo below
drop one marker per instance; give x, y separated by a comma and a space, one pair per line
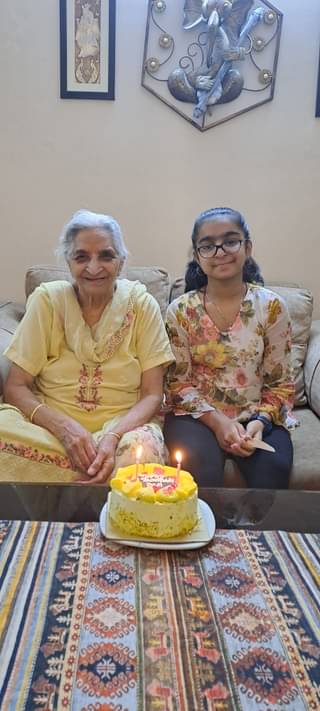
155, 504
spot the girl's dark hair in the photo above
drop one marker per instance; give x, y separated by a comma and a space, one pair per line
195, 278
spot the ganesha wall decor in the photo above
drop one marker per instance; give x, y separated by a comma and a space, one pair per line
211, 60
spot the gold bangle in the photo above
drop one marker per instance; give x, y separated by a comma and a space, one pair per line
34, 411
115, 434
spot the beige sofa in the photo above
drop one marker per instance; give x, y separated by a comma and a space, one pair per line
306, 360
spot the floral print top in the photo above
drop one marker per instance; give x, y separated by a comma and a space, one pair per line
242, 371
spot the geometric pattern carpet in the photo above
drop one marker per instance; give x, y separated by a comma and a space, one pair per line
89, 625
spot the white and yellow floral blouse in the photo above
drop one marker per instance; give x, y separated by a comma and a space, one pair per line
242, 371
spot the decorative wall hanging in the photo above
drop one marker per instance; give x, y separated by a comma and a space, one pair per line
87, 49
211, 60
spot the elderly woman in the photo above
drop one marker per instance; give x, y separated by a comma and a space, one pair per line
88, 361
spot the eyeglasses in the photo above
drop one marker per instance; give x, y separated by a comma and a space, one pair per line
229, 246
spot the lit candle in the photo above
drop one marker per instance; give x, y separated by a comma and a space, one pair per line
138, 459
179, 459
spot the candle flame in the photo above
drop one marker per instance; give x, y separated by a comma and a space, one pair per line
179, 457
139, 452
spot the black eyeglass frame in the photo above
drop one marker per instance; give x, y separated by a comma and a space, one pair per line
220, 246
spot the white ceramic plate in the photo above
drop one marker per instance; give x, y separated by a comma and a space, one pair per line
204, 511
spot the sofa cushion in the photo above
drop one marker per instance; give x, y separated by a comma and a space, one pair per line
177, 288
312, 369
299, 302
306, 471
10, 315
155, 279
42, 273
300, 305
157, 282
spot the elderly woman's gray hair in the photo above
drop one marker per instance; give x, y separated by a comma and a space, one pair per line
86, 220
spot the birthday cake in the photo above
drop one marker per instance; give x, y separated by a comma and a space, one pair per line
156, 502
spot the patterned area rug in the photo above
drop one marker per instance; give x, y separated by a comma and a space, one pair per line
89, 625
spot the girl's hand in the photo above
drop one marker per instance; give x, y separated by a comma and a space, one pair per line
230, 435
255, 429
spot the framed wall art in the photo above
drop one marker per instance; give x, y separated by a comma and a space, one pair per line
318, 93
87, 49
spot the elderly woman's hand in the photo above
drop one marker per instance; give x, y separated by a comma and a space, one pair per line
103, 464
78, 443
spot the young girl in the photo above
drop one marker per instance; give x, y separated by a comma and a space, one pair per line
232, 381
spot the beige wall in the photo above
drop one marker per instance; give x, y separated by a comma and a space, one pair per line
138, 160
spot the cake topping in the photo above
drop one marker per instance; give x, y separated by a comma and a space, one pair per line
157, 481
153, 483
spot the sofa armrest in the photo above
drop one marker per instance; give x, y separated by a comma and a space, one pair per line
312, 368
10, 315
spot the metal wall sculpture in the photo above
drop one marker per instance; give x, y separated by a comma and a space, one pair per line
211, 60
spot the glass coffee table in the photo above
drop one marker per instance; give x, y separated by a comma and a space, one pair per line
261, 509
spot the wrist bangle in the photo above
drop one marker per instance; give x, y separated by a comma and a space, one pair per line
115, 434
34, 411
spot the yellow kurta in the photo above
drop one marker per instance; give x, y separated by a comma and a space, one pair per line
91, 374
